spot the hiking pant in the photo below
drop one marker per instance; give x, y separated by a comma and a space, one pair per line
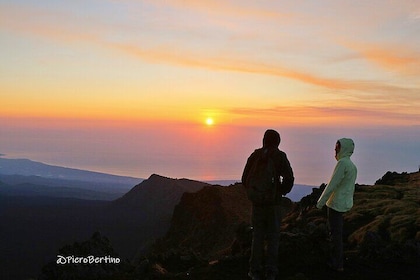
266, 227
335, 222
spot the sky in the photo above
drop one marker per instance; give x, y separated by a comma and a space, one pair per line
186, 89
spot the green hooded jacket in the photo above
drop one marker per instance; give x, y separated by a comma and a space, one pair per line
338, 194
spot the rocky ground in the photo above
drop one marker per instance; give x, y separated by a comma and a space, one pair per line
210, 238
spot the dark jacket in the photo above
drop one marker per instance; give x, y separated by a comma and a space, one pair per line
284, 170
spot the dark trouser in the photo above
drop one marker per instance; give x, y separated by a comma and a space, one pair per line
335, 221
266, 227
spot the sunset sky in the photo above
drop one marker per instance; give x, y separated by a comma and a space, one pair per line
186, 88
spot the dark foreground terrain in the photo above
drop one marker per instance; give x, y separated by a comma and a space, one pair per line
209, 238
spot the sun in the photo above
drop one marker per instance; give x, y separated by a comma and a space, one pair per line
209, 121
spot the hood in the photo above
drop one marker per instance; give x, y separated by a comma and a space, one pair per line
347, 148
271, 139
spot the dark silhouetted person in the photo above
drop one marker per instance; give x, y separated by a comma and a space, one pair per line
338, 196
266, 218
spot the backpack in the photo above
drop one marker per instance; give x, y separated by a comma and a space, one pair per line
262, 181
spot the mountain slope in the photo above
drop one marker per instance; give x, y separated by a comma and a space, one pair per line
206, 221
32, 229
33, 190
156, 197
23, 177
28, 167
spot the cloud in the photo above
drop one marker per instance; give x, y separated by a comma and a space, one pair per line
390, 57
185, 58
161, 54
46, 25
331, 115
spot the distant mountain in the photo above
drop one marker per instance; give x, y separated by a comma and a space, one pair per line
28, 167
222, 182
76, 183
33, 190
52, 187
156, 197
43, 223
23, 177
299, 191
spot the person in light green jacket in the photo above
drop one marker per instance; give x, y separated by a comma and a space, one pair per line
338, 197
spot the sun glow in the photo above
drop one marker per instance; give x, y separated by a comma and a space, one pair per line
209, 121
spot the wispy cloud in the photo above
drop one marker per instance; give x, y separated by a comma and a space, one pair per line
181, 57
355, 116
390, 57
56, 27
163, 54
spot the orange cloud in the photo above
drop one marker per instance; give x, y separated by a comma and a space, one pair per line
389, 57
307, 115
188, 59
28, 21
